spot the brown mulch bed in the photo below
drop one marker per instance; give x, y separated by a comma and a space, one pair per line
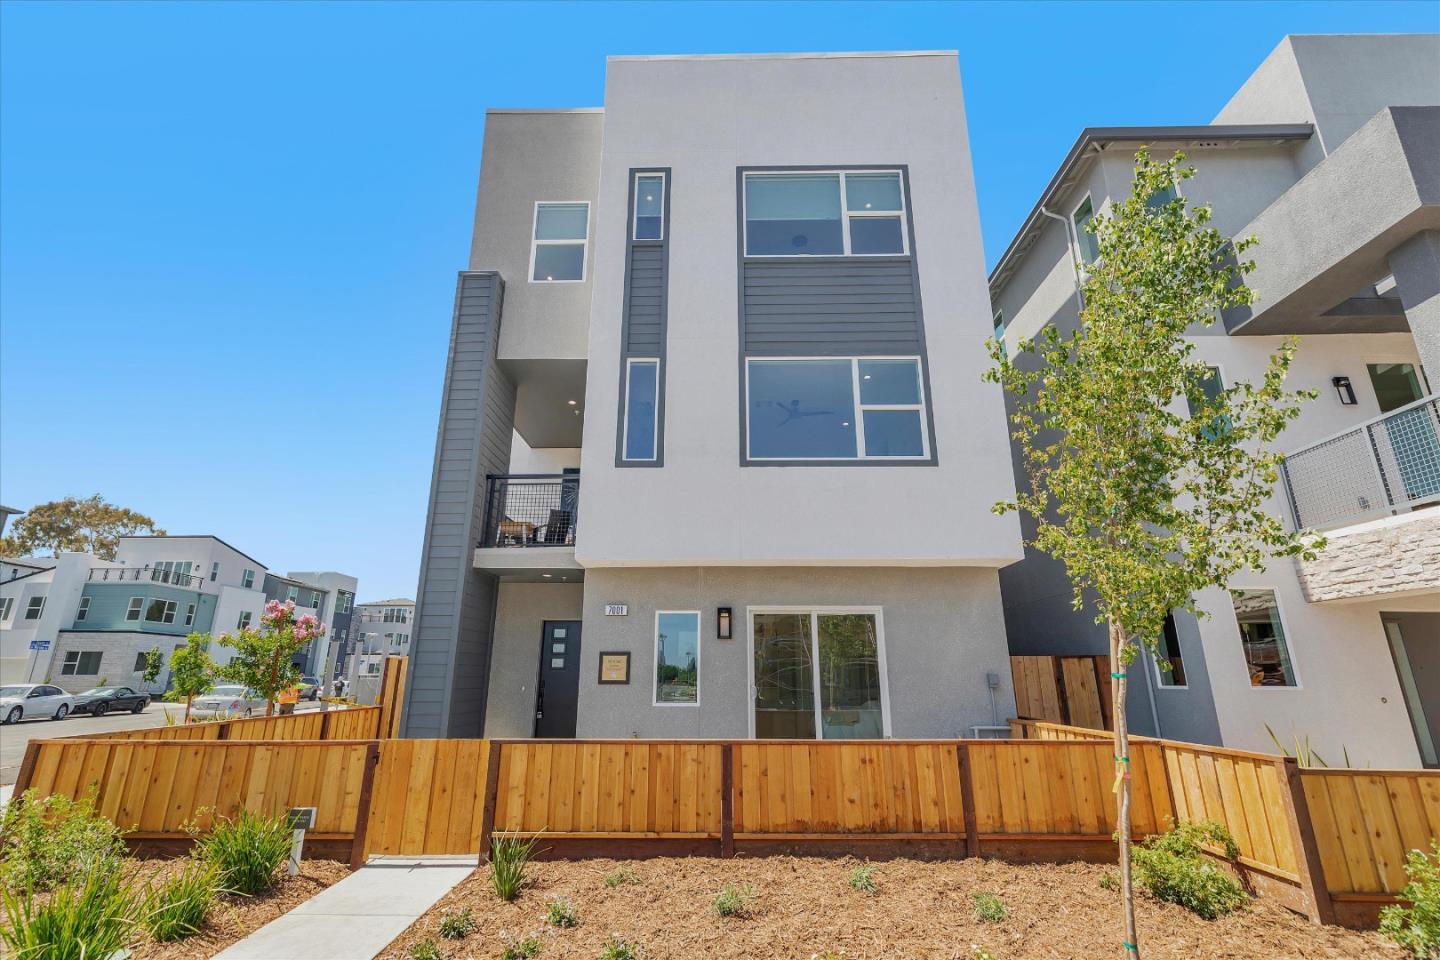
233, 916
805, 906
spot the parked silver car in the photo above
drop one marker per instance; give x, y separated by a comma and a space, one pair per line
29, 701
228, 700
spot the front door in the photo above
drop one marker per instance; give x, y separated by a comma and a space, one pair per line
559, 679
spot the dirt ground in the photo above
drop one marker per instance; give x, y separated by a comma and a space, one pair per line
802, 907
234, 916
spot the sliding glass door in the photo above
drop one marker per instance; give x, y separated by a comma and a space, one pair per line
818, 674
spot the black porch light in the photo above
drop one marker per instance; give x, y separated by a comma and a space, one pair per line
722, 623
1344, 390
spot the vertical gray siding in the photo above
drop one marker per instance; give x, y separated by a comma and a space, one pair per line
454, 616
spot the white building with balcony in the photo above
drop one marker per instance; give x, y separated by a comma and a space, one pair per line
1327, 155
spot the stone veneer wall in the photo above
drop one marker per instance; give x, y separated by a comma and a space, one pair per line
1395, 555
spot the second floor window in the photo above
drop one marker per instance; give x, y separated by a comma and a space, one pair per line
160, 611
137, 604
84, 609
35, 608
562, 231
858, 213
1089, 245
243, 621
649, 207
5, 604
642, 381
247, 579
836, 409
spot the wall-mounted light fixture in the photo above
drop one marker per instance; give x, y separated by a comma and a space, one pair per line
722, 623
1345, 391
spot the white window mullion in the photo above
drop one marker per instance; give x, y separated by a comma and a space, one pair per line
815, 673
844, 219
859, 409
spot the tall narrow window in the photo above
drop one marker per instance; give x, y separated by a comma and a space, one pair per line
214, 570
1262, 636
1209, 388
5, 604
1089, 245
642, 384
189, 614
562, 233
247, 579
84, 609
677, 657
649, 206
1171, 654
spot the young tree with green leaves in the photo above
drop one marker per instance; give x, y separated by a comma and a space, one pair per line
192, 672
154, 663
90, 525
1144, 505
264, 658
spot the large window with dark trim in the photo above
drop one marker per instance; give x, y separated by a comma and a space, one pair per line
642, 387
80, 663
825, 213
850, 408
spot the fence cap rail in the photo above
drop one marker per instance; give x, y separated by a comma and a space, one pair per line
63, 741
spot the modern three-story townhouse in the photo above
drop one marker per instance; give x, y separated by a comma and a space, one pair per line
715, 458
76, 619
1329, 154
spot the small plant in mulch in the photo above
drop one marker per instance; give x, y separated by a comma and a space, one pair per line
622, 876
989, 908
617, 949
862, 878
977, 952
174, 909
248, 851
828, 955
48, 840
1173, 867
457, 924
1416, 926
521, 948
1109, 880
562, 913
509, 857
734, 901
92, 916
424, 950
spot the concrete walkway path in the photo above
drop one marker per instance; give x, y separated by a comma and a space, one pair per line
357, 917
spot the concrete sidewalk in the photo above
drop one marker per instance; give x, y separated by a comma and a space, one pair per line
357, 917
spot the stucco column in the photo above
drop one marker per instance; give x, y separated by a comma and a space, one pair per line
1416, 266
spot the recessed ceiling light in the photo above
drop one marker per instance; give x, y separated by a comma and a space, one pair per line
549, 278
649, 198
546, 575
571, 402
845, 424
867, 206
867, 376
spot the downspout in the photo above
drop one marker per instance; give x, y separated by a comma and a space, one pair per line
1071, 244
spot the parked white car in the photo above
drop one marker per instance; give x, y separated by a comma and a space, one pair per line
29, 701
228, 700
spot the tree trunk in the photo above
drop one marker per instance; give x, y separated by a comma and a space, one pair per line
1122, 784
188, 699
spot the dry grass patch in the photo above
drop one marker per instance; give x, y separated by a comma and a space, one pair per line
802, 906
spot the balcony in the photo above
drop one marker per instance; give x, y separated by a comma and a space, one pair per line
145, 575
529, 530
1385, 466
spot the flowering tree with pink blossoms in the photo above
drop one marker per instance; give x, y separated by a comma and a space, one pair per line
264, 657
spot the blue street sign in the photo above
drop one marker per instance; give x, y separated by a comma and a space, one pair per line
39, 644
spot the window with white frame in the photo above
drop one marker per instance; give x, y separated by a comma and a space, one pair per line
842, 213
132, 612
1088, 243
677, 657
1262, 637
642, 385
5, 604
247, 579
818, 673
214, 570
649, 222
189, 614
35, 608
243, 621
292, 594
83, 610
562, 235
851, 408
80, 663
160, 611
343, 601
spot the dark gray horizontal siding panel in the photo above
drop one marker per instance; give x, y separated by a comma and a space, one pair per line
645, 300
831, 306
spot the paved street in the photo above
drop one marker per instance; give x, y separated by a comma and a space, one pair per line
14, 738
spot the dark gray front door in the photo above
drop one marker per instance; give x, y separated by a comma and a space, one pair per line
559, 679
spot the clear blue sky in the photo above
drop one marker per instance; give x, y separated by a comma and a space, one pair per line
229, 232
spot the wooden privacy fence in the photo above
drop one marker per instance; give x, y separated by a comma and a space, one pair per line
352, 723
1069, 690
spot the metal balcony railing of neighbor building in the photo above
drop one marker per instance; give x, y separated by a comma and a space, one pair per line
531, 510
1384, 466
144, 575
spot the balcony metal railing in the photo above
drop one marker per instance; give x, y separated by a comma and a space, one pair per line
144, 575
1384, 466
531, 510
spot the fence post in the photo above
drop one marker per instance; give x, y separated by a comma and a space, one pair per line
1302, 837
967, 800
224, 732
492, 793
27, 769
325, 723
727, 799
362, 813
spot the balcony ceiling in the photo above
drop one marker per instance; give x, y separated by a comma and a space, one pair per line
544, 416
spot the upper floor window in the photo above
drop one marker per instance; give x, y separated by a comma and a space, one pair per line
342, 601
1088, 243
243, 621
214, 570
160, 611
247, 579
562, 232
292, 594
642, 382
836, 409
1171, 654
132, 612
189, 614
35, 608
83, 610
824, 214
5, 604
649, 207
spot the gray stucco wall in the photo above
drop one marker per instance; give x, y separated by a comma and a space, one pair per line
520, 616
943, 632
455, 604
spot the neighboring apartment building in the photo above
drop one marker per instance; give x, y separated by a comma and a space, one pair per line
1330, 155
380, 629
77, 619
736, 319
330, 598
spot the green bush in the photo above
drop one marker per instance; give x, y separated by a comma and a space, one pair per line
93, 917
524, 948
175, 908
457, 924
248, 851
989, 908
45, 841
509, 856
733, 901
1173, 867
862, 878
562, 913
1417, 927
424, 950
622, 875
617, 949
